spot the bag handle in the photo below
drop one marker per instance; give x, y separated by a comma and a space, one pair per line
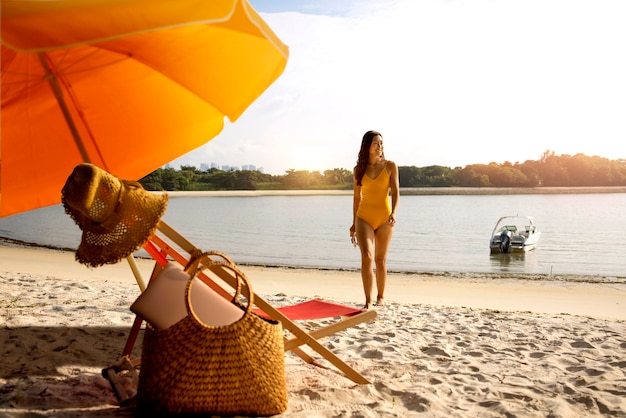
204, 261
193, 267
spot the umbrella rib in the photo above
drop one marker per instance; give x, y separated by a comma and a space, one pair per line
28, 80
54, 84
95, 49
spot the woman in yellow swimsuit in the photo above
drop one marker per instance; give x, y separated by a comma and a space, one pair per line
373, 216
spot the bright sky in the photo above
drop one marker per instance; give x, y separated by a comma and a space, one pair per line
447, 82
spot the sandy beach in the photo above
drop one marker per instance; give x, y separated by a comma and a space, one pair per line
465, 345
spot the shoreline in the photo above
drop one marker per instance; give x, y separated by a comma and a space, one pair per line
405, 191
562, 277
475, 290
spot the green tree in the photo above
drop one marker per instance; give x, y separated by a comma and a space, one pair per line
472, 176
302, 179
153, 180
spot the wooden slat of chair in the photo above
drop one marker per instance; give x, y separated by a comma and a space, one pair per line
303, 337
300, 335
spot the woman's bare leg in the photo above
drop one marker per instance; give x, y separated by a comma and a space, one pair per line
382, 240
365, 237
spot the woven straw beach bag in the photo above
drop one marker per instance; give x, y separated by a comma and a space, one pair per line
236, 369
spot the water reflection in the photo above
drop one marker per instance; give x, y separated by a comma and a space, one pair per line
515, 262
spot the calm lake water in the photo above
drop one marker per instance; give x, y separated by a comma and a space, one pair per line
581, 233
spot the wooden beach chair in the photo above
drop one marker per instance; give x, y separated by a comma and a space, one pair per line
168, 244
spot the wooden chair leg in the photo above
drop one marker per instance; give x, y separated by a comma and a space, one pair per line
132, 337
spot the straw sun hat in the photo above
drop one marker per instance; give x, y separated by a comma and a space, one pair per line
116, 216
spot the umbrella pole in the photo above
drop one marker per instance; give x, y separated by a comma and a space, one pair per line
58, 93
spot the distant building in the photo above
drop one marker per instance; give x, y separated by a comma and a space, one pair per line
245, 167
229, 168
204, 167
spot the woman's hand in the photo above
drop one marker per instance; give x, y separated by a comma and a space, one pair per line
353, 235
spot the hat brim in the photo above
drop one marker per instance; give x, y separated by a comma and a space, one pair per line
134, 222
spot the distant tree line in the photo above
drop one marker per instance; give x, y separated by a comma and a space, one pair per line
550, 171
191, 179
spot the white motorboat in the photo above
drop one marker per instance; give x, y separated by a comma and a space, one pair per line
514, 234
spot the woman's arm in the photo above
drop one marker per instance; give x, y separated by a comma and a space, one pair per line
394, 184
356, 200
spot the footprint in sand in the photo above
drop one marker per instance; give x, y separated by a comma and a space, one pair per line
581, 344
435, 352
373, 354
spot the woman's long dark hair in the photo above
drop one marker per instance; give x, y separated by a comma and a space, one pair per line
364, 155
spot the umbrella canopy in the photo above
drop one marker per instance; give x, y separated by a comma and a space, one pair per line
127, 85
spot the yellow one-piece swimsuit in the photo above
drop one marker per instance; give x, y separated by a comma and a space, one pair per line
374, 207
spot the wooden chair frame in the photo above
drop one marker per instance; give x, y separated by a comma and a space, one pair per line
159, 248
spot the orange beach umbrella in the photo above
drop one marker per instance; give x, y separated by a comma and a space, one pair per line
127, 85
